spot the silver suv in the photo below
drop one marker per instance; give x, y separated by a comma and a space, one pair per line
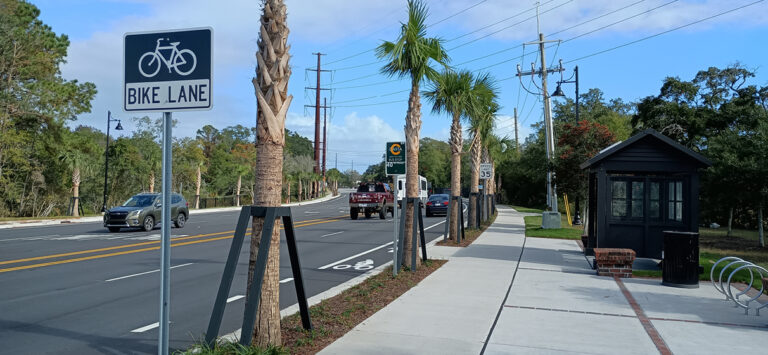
144, 211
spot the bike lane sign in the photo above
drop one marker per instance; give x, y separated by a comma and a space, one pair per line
168, 70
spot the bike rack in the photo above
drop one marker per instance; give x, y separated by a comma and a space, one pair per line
726, 289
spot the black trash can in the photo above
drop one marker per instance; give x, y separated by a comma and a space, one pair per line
680, 267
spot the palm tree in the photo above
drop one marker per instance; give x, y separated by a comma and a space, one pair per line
75, 160
451, 92
271, 86
481, 124
410, 56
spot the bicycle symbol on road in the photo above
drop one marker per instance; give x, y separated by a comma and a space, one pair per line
360, 265
182, 61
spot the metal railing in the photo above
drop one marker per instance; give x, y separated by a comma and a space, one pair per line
736, 266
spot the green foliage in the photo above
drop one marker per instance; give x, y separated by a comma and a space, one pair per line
577, 143
232, 348
375, 173
723, 117
435, 162
413, 52
35, 103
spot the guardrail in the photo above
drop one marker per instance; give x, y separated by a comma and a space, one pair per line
738, 265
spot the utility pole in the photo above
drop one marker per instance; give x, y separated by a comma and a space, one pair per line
517, 140
325, 133
336, 165
317, 107
550, 219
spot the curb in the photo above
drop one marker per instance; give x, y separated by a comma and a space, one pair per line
36, 223
331, 292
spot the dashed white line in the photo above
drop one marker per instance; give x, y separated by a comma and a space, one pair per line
146, 327
328, 235
144, 273
234, 298
286, 280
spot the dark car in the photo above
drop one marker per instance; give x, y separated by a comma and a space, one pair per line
144, 211
437, 204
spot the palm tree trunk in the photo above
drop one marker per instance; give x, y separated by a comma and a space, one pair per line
76, 191
412, 129
151, 181
456, 147
475, 151
237, 193
197, 188
288, 197
271, 85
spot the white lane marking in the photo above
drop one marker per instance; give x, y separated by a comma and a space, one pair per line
286, 280
146, 327
144, 273
234, 298
354, 256
311, 212
328, 235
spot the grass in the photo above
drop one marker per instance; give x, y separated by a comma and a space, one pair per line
227, 348
469, 234
714, 244
526, 209
533, 229
332, 317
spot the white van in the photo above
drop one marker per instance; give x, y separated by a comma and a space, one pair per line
423, 189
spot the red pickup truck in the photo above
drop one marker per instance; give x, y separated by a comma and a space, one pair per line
372, 198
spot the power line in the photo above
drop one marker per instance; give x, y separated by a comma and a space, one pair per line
508, 27
497, 22
372, 49
456, 14
665, 32
620, 21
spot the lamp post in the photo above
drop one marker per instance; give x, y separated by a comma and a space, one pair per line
119, 127
559, 93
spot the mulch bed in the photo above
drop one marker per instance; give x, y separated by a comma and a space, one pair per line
334, 317
469, 235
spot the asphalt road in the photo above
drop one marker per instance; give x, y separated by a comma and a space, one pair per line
78, 289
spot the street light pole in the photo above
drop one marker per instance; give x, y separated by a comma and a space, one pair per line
106, 157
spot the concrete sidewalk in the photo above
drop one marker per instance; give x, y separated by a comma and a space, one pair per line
507, 294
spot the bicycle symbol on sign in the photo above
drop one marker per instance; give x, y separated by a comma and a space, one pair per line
182, 61
360, 265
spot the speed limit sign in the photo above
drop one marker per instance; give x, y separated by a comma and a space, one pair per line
485, 171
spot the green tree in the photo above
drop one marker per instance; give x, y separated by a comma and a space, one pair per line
452, 93
481, 117
35, 102
411, 55
615, 114
577, 143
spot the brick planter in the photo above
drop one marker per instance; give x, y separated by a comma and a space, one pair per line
614, 262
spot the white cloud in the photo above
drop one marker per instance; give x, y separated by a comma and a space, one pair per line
358, 139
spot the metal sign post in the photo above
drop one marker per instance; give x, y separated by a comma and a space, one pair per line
165, 246
395, 165
167, 71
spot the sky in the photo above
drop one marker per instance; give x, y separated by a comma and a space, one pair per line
625, 48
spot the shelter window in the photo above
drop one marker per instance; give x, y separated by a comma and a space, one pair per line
638, 196
619, 199
654, 205
675, 201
